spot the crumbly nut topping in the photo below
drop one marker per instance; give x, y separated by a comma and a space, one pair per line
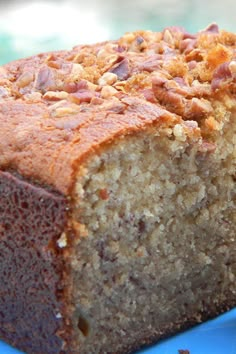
183, 73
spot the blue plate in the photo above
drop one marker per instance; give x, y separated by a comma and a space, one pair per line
217, 336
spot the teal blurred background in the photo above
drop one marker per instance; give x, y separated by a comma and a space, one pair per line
31, 27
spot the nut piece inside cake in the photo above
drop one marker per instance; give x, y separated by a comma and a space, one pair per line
155, 247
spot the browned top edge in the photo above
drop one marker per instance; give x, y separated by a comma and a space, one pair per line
57, 108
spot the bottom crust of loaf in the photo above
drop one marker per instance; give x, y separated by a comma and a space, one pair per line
182, 325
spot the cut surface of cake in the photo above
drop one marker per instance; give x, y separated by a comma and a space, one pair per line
117, 191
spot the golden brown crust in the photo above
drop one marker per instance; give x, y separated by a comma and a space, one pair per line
48, 150
56, 108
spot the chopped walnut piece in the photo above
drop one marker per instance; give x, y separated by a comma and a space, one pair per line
25, 79
159, 80
138, 45
221, 76
55, 95
213, 27
121, 69
44, 79
121, 86
77, 72
192, 64
195, 54
151, 63
96, 100
149, 95
178, 33
82, 85
108, 91
172, 101
106, 50
200, 89
54, 64
168, 37
127, 38
63, 108
106, 63
33, 97
107, 78
187, 45
70, 87
92, 86
197, 108
113, 105
178, 86
83, 96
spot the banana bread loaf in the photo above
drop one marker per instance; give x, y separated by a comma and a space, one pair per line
117, 191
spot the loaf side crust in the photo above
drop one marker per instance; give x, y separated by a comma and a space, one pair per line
31, 274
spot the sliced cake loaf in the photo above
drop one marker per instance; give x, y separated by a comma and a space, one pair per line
117, 191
